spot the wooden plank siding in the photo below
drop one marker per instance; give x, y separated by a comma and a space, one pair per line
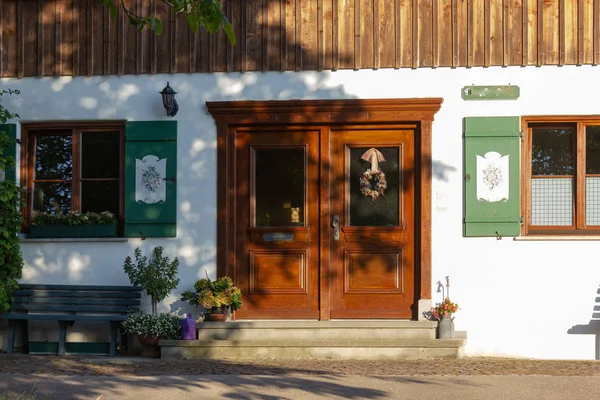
78, 37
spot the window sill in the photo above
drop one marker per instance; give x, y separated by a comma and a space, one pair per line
539, 238
64, 240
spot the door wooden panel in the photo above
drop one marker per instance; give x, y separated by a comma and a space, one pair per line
277, 223
278, 272
373, 272
372, 263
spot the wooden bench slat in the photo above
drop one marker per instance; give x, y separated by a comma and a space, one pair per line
63, 317
81, 287
64, 293
68, 308
77, 300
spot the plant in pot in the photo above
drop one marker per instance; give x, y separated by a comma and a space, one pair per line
150, 328
216, 297
444, 313
73, 224
157, 276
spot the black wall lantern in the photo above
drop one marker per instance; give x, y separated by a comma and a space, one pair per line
168, 98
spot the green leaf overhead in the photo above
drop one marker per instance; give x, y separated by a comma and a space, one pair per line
206, 13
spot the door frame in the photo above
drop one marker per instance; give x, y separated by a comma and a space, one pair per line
325, 115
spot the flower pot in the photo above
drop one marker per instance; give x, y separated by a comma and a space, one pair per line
445, 328
217, 314
148, 341
150, 348
72, 231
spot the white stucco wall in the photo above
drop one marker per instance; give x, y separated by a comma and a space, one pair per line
518, 298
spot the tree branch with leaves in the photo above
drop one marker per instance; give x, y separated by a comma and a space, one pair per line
200, 13
11, 258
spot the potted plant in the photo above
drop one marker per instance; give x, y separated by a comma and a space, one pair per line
216, 297
157, 276
150, 328
444, 313
73, 224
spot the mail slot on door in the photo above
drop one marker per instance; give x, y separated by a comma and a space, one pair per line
278, 237
274, 236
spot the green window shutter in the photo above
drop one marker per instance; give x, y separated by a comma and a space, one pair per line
150, 200
492, 205
10, 173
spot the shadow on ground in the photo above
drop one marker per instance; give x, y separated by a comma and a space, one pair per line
248, 386
69, 378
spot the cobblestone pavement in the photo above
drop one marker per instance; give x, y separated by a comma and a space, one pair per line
71, 365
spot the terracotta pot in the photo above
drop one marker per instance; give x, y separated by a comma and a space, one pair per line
148, 341
217, 314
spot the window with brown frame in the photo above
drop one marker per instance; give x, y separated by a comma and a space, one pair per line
72, 166
561, 167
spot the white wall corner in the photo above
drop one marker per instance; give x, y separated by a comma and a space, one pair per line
424, 306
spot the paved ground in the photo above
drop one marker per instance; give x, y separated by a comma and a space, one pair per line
103, 378
268, 387
51, 365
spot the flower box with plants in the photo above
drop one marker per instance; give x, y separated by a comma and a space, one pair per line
216, 297
150, 328
73, 224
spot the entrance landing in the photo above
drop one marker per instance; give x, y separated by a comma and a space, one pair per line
347, 339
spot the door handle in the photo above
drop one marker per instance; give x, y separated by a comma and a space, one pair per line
336, 227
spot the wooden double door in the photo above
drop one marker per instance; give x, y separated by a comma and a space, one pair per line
316, 235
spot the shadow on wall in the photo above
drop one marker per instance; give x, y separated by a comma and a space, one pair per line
440, 170
127, 98
591, 328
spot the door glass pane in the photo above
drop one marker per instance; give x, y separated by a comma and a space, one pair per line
53, 157
99, 196
552, 151
100, 154
279, 186
385, 209
52, 197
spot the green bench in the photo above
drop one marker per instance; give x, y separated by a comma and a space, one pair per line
68, 304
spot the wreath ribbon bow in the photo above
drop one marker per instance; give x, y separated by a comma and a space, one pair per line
373, 156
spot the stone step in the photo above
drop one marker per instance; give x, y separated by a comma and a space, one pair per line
313, 349
316, 330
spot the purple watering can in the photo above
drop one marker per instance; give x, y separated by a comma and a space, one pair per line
188, 327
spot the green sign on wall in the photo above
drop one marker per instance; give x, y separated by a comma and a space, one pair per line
506, 92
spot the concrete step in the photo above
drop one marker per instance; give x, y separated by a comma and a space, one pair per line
314, 349
316, 330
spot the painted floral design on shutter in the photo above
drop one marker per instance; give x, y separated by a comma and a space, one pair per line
150, 186
492, 177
